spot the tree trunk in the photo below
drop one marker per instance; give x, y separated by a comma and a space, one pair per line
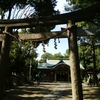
74, 63
4, 63
94, 65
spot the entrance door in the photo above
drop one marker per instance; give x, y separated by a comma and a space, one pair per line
61, 76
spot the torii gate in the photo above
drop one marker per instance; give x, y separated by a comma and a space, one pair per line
70, 32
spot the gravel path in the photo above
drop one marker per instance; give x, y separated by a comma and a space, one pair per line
50, 91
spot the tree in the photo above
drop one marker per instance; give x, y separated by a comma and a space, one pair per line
46, 56
84, 52
80, 1
66, 55
44, 8
75, 5
25, 8
89, 55
58, 56
85, 46
7, 6
21, 56
19, 62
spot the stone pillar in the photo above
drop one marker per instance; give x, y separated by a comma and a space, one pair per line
74, 62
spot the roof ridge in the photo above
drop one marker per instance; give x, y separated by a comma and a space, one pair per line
58, 59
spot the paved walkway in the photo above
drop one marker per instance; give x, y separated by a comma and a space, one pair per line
50, 91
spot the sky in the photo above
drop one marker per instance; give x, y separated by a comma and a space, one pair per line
63, 45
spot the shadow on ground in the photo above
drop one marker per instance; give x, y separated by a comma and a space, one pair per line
91, 93
50, 91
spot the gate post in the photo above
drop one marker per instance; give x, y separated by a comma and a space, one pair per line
74, 62
4, 62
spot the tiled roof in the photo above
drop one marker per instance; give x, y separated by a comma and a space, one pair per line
52, 63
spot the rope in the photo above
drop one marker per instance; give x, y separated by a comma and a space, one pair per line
15, 37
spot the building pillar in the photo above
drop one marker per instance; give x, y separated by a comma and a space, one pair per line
68, 75
55, 76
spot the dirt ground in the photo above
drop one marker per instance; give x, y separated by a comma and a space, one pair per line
50, 91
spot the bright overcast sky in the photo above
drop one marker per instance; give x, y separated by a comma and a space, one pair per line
63, 45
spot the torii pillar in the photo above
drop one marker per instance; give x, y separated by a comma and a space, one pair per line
74, 62
4, 61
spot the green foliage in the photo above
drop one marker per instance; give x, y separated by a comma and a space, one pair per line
74, 5
20, 57
83, 1
27, 8
97, 52
44, 8
67, 54
85, 25
6, 7
85, 49
58, 56
46, 56
81, 4
9, 4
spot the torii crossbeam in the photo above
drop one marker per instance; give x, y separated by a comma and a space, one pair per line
86, 14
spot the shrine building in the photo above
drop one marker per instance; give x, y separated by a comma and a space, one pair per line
55, 70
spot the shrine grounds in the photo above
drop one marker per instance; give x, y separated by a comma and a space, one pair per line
50, 91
